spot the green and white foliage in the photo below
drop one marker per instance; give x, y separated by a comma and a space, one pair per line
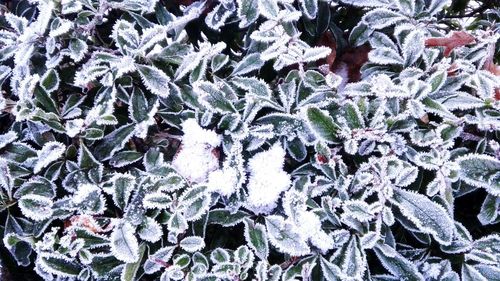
230, 140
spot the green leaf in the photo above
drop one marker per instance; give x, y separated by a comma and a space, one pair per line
360, 34
123, 185
212, 97
437, 80
247, 12
284, 236
397, 265
59, 265
248, 64
36, 207
124, 158
481, 171
256, 237
322, 124
154, 79
225, 217
428, 216
114, 142
50, 81
130, 270
381, 18
138, 106
192, 243
124, 245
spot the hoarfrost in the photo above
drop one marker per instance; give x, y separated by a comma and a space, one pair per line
267, 179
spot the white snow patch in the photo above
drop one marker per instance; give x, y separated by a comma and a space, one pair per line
309, 227
195, 159
267, 179
223, 181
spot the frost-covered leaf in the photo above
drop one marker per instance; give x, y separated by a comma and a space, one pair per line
360, 34
150, 230
154, 261
396, 264
428, 216
309, 8
489, 209
124, 245
322, 124
434, 6
381, 18
123, 185
78, 48
50, 81
357, 209
256, 237
192, 243
316, 53
50, 152
36, 207
469, 273
124, 158
59, 265
253, 86
154, 79
157, 200
406, 176
249, 63
481, 171
385, 56
413, 46
7, 138
247, 12
214, 98
114, 142
285, 237
268, 8
437, 80
130, 270
177, 223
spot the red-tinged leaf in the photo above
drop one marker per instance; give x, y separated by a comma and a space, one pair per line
452, 70
492, 67
457, 39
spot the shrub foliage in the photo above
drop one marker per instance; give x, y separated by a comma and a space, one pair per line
250, 139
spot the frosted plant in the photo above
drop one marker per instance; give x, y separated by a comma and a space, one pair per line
266, 140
